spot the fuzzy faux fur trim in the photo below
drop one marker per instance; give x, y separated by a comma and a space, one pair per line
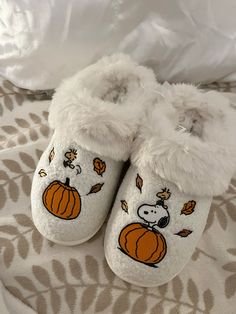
201, 161
100, 107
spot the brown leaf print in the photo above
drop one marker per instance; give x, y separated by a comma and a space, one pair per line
124, 206
139, 182
42, 173
188, 208
99, 166
51, 155
96, 188
184, 233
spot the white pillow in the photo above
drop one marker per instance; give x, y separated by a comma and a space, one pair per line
41, 42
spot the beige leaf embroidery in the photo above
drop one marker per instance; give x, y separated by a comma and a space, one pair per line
99, 166
13, 191
8, 252
184, 233
3, 197
59, 270
91, 265
37, 241
104, 299
96, 188
23, 247
122, 304
26, 184
51, 155
41, 275
22, 123
12, 165
42, 173
70, 296
124, 206
26, 283
23, 220
75, 268
19, 99
41, 305
27, 160
188, 208
193, 291
208, 300
88, 297
55, 301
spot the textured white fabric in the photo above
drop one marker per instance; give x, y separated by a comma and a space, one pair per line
187, 137
45, 41
179, 249
94, 206
101, 106
96, 115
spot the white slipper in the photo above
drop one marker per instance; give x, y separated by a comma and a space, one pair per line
95, 115
185, 153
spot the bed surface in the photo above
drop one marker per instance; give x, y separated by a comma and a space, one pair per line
55, 279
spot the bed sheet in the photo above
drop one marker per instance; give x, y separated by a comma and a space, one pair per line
55, 279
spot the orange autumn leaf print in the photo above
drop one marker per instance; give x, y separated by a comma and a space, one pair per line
184, 233
188, 208
99, 166
124, 206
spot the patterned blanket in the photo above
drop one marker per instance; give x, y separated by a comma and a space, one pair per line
56, 279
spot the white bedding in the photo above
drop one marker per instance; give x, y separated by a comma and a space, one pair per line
42, 42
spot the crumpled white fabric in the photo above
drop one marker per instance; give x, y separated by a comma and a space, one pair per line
11, 305
42, 42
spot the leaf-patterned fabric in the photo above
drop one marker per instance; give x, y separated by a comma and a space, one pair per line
55, 279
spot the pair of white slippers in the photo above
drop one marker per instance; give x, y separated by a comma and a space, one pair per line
181, 143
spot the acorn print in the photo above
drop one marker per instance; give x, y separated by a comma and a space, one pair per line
62, 200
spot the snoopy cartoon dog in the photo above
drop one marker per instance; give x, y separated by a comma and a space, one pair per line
156, 215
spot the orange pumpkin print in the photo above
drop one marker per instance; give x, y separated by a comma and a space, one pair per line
62, 200
142, 244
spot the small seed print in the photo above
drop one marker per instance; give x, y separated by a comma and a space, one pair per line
188, 208
96, 188
51, 155
42, 173
139, 182
124, 206
78, 169
99, 166
184, 233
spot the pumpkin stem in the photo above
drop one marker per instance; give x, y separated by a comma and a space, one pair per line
67, 183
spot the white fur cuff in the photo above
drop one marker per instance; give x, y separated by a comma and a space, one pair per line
101, 106
188, 138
